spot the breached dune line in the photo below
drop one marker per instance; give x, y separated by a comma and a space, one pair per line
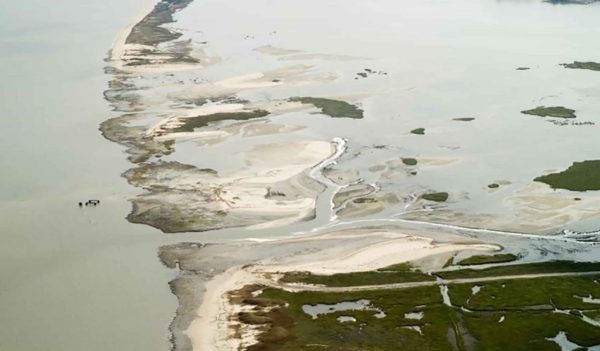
211, 328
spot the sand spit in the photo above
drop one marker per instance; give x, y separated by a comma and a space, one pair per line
207, 318
146, 46
336, 252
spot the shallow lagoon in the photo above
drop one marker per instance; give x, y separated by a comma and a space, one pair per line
442, 61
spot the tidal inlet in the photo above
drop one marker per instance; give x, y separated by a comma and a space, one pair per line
389, 175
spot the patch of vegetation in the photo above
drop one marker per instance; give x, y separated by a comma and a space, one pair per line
399, 267
464, 119
410, 161
485, 259
581, 176
172, 219
437, 197
449, 262
545, 293
332, 108
387, 276
520, 269
149, 31
189, 124
418, 131
527, 330
554, 111
368, 333
526, 308
365, 200
592, 66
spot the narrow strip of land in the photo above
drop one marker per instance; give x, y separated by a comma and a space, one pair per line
338, 289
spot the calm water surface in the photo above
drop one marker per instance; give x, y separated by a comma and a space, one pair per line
70, 278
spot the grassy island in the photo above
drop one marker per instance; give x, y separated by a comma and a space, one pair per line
436, 197
581, 176
554, 111
331, 108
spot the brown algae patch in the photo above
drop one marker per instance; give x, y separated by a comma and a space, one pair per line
554, 111
330, 107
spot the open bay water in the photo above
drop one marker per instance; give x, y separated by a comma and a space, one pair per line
70, 278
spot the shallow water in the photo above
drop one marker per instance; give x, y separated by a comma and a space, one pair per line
71, 278
561, 339
443, 59
316, 310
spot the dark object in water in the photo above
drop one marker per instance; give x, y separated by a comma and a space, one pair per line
80, 204
91, 203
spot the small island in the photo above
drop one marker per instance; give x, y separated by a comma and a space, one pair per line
435, 197
554, 111
581, 176
464, 119
331, 108
592, 66
410, 161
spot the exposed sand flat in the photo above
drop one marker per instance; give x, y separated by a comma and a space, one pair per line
271, 189
210, 330
163, 129
394, 248
538, 206
294, 75
298, 55
276, 51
